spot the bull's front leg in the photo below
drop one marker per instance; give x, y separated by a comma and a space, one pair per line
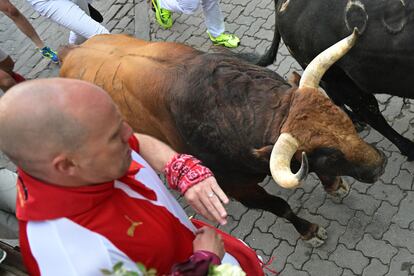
253, 196
334, 185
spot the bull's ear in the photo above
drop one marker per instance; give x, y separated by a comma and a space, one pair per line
294, 79
263, 153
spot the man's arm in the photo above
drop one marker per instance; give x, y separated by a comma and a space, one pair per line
206, 197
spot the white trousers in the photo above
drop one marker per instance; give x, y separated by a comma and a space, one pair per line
213, 17
9, 228
72, 14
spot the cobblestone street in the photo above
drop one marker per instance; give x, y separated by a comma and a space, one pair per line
370, 231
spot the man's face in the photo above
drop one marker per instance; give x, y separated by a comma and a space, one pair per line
106, 154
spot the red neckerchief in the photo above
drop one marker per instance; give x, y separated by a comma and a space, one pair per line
40, 201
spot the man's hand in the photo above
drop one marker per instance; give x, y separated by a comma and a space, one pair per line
207, 199
207, 239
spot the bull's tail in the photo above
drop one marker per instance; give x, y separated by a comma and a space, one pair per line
270, 56
64, 51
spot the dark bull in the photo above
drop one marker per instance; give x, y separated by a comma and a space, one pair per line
381, 62
236, 117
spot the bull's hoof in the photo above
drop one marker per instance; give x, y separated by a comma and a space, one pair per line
342, 191
320, 236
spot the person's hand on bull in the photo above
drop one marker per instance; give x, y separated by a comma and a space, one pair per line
186, 174
198, 185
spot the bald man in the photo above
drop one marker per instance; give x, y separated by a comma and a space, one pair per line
88, 192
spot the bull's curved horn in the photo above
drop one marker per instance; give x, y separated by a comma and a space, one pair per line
321, 63
282, 153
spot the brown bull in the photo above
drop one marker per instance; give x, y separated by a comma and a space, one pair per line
235, 116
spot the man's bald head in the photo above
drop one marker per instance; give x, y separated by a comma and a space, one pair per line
42, 118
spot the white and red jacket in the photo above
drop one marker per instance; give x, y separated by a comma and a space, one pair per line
79, 231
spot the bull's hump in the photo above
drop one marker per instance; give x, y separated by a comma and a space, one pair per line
126, 46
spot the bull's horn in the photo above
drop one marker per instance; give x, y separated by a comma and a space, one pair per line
321, 63
282, 153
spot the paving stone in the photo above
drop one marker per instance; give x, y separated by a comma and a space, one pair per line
295, 200
315, 199
110, 14
265, 221
246, 224
284, 230
401, 124
290, 270
262, 47
310, 183
405, 214
316, 266
400, 237
244, 20
264, 34
335, 230
402, 264
381, 220
301, 255
255, 27
393, 108
361, 188
335, 211
404, 180
383, 98
195, 21
355, 230
409, 166
186, 34
365, 203
376, 248
266, 242
263, 13
124, 11
231, 224
280, 254
249, 41
249, 8
375, 268
348, 272
373, 137
393, 167
390, 193
197, 41
234, 13
124, 23
351, 259
236, 209
274, 189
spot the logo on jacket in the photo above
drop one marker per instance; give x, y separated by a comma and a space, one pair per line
134, 224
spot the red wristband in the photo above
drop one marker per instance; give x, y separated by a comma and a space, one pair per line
184, 171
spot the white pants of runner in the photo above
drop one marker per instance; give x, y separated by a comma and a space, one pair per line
213, 17
9, 228
72, 14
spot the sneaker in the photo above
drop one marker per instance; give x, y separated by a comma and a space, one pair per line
50, 54
3, 255
163, 16
226, 40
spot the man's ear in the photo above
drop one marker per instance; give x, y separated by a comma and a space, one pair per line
64, 165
